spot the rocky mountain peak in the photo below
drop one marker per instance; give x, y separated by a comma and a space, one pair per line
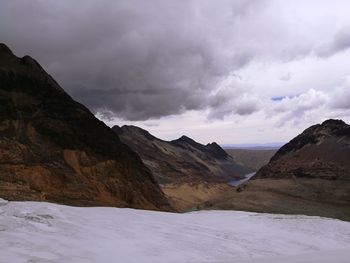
314, 135
336, 127
333, 122
217, 151
321, 151
185, 139
4, 50
24, 68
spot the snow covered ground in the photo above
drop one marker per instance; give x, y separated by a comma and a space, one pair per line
43, 232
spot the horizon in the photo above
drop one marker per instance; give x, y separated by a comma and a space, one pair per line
233, 72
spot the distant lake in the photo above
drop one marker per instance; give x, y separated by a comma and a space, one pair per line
241, 181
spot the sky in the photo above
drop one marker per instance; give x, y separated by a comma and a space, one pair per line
230, 71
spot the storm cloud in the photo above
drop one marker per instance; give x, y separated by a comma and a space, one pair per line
137, 59
140, 60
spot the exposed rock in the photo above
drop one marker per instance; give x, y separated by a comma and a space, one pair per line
54, 149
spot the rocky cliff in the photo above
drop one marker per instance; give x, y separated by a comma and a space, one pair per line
54, 149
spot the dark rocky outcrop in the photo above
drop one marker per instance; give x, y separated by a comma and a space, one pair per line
53, 149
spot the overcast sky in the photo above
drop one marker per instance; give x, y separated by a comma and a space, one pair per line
230, 71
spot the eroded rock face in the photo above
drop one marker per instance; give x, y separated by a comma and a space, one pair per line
54, 149
182, 160
321, 151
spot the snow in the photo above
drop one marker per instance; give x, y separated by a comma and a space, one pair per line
43, 232
3, 202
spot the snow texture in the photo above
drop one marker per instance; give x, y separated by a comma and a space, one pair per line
43, 232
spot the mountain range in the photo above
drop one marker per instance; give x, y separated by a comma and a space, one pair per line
181, 161
188, 172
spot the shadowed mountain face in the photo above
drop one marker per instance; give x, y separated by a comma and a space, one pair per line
309, 175
52, 148
182, 160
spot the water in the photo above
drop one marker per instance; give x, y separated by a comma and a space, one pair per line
241, 181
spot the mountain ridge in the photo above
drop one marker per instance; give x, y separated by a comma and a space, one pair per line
180, 160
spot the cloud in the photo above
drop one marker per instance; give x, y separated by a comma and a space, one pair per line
285, 77
134, 59
141, 60
233, 97
300, 103
340, 43
340, 96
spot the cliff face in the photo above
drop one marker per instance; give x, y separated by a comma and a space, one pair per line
54, 149
321, 151
182, 160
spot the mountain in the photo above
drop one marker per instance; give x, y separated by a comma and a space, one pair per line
182, 160
188, 172
309, 175
321, 151
52, 148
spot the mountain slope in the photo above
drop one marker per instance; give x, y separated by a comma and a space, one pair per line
52, 148
309, 175
182, 160
321, 151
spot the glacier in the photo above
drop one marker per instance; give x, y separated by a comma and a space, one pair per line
39, 232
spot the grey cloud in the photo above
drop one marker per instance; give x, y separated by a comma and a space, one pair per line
135, 59
340, 97
233, 98
151, 124
285, 77
147, 59
340, 43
